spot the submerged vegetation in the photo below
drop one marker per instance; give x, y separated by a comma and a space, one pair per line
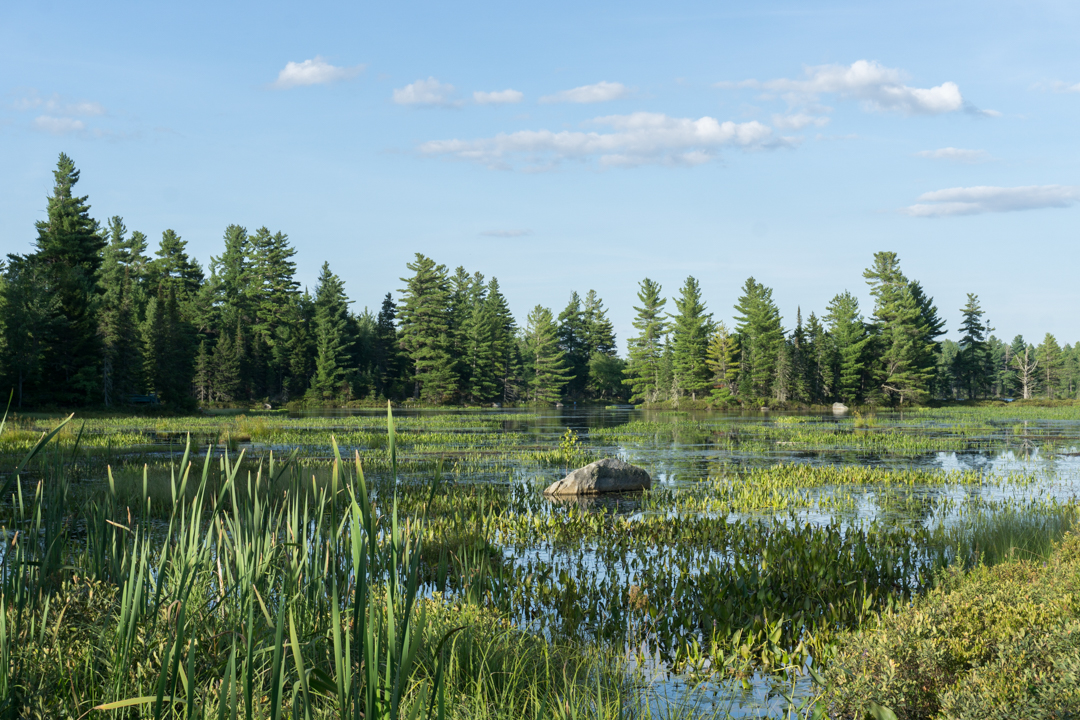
329, 566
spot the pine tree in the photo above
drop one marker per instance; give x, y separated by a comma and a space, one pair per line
69, 254
722, 357
758, 326
599, 332
932, 327
549, 369
690, 339
479, 328
175, 269
646, 350
332, 337
850, 340
573, 340
426, 331
901, 333
506, 353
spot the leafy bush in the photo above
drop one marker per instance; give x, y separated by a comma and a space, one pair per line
1000, 641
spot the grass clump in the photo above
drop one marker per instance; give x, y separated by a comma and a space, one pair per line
1000, 641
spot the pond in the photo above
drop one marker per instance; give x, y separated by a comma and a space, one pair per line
764, 537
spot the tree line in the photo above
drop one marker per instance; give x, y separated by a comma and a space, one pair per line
90, 318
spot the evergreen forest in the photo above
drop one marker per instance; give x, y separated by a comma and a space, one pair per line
94, 317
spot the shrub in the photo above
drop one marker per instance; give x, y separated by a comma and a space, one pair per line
1000, 641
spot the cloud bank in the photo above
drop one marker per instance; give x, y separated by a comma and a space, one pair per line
315, 71
498, 97
986, 199
876, 86
637, 139
955, 154
600, 92
426, 92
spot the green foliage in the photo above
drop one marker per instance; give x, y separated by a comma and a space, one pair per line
548, 369
1001, 641
646, 350
761, 338
427, 331
690, 332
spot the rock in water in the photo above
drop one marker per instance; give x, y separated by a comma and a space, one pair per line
609, 475
839, 408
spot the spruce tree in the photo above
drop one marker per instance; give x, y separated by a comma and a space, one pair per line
973, 360
549, 369
69, 253
1048, 355
386, 362
30, 316
690, 331
332, 337
426, 331
120, 314
645, 350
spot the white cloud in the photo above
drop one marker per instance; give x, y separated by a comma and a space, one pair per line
58, 106
58, 125
878, 87
955, 154
506, 233
426, 92
987, 199
600, 92
636, 139
315, 71
1058, 86
497, 97
797, 121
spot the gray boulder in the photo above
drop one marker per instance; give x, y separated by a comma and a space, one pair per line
839, 408
609, 475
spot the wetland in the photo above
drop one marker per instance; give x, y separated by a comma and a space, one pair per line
354, 564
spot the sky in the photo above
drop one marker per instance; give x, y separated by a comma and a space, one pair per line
573, 146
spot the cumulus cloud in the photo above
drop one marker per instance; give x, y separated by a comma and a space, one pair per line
497, 97
636, 139
315, 71
506, 233
600, 92
955, 154
798, 121
426, 92
876, 86
986, 199
58, 125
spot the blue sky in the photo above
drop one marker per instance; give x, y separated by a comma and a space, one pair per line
563, 146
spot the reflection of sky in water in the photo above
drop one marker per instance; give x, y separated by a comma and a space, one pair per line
680, 459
